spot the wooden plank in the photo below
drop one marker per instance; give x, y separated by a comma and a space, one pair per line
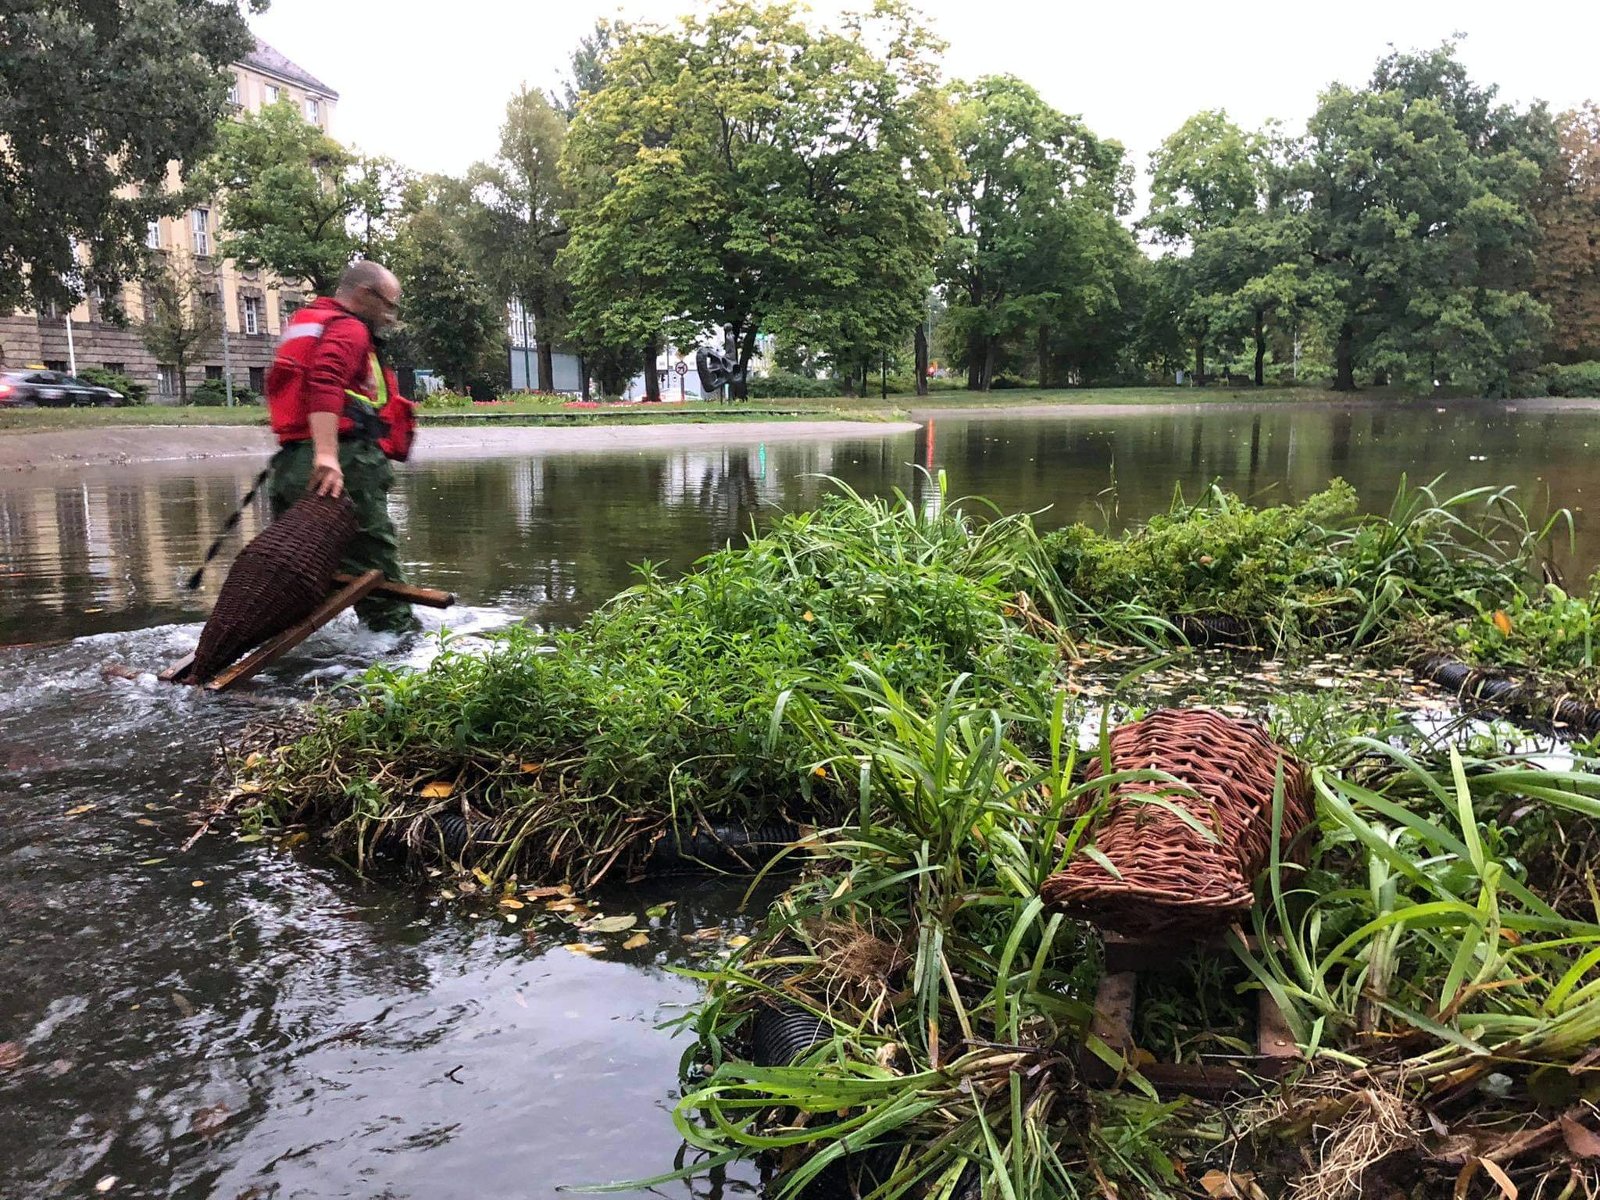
271, 651
427, 597
178, 672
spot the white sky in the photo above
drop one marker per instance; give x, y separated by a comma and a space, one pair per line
426, 82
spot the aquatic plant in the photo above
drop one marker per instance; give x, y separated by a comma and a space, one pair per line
1290, 576
1445, 1003
565, 754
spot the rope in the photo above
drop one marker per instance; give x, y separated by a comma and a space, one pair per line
228, 527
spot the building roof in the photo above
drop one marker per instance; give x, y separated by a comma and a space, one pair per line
264, 58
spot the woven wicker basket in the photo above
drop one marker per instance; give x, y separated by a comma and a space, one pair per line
1174, 879
276, 582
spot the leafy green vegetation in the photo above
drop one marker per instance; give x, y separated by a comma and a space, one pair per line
1432, 958
568, 753
921, 683
1293, 574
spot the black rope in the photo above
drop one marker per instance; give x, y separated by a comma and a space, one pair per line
228, 527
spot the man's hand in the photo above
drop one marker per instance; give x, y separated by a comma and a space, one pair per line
327, 476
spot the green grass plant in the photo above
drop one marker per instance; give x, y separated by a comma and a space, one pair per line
568, 752
1415, 957
1318, 573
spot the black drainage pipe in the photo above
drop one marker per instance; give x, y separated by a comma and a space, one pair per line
716, 847
719, 847
1518, 699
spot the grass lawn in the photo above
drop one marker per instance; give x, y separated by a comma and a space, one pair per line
551, 411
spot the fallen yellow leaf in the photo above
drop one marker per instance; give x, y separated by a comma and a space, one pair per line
81, 809
531, 768
636, 941
1502, 623
584, 948
510, 902
438, 789
738, 940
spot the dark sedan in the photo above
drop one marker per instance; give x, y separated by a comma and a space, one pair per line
53, 389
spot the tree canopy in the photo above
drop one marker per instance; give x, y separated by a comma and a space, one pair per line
294, 200
745, 167
98, 98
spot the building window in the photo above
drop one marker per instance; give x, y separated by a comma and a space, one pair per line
287, 307
233, 92
313, 110
59, 366
272, 93
115, 368
166, 379
152, 235
200, 218
258, 379
252, 314
213, 372
50, 309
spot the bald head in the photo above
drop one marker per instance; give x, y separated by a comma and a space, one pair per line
371, 291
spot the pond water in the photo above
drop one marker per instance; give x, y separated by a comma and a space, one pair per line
236, 1021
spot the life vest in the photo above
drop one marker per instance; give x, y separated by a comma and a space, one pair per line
385, 418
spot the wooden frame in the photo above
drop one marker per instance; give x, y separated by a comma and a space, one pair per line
350, 590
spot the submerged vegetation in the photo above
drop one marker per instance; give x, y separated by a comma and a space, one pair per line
907, 695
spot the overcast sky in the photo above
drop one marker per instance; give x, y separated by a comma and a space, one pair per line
426, 81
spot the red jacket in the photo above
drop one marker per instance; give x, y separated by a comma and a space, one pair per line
325, 350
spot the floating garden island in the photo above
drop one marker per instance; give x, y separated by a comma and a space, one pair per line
909, 716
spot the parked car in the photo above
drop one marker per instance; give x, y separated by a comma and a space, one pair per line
53, 389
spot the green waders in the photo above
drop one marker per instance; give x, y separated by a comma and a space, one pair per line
368, 477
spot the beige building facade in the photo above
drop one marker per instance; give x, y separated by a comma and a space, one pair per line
254, 304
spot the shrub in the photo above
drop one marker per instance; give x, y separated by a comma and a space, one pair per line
783, 385
210, 393
1573, 379
136, 393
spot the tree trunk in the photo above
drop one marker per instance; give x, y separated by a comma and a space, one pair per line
1344, 359
652, 380
1261, 347
583, 380
183, 381
988, 362
1044, 355
922, 359
1199, 360
547, 371
975, 363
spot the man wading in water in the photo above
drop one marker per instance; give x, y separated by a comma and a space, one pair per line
340, 418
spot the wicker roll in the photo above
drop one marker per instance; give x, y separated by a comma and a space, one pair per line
276, 582
1174, 880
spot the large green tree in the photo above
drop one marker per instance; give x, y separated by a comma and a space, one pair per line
1033, 237
1207, 177
453, 319
1567, 275
515, 224
746, 167
294, 200
97, 99
1418, 191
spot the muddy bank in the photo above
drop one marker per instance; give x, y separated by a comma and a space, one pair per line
147, 444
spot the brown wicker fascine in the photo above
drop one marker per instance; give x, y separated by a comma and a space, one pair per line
276, 582
1174, 880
